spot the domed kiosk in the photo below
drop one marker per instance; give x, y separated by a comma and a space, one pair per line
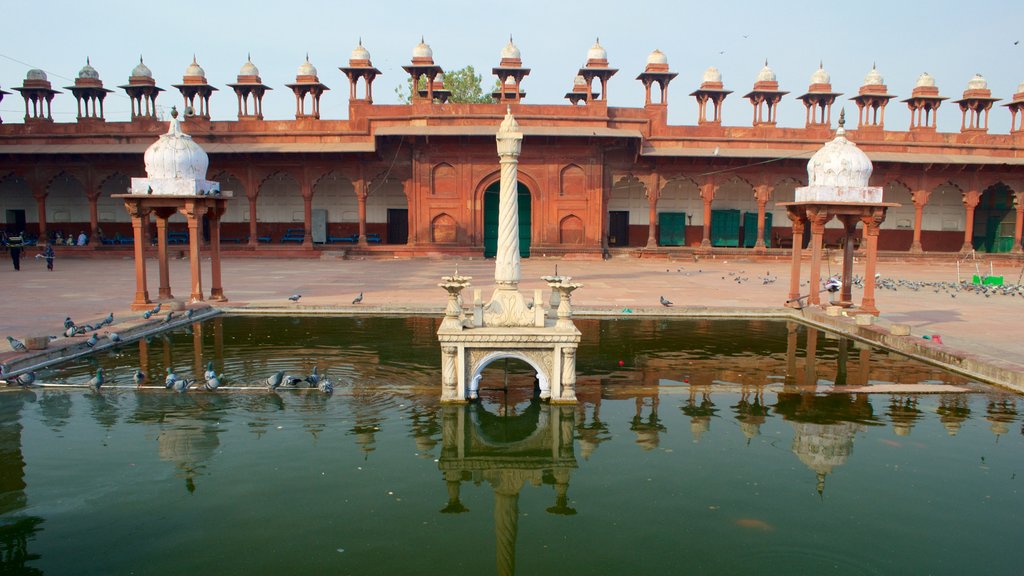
176, 183
837, 177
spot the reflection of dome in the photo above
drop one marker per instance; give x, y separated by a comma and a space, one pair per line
822, 447
820, 76
249, 69
176, 156
839, 163
657, 57
977, 83
422, 50
194, 69
306, 69
873, 78
766, 74
142, 70
510, 51
596, 52
360, 53
712, 75
35, 74
925, 80
88, 72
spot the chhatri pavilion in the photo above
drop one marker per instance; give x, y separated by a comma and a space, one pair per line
420, 179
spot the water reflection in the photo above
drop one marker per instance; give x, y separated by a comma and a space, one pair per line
508, 451
16, 529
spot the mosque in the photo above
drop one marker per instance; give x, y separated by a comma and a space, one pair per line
421, 178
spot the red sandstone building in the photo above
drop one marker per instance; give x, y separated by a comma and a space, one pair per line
421, 178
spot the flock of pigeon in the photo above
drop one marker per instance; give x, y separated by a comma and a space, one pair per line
357, 300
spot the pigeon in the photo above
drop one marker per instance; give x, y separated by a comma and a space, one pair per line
68, 322
115, 337
665, 302
326, 386
295, 297
292, 380
191, 312
210, 373
170, 378
26, 379
72, 331
92, 341
833, 285
182, 385
275, 380
213, 382
170, 316
156, 309
109, 319
313, 378
139, 377
17, 345
358, 299
96, 381
146, 315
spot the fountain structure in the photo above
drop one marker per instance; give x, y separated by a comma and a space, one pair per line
508, 326
175, 183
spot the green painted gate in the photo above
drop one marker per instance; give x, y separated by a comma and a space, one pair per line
750, 229
491, 221
671, 228
725, 228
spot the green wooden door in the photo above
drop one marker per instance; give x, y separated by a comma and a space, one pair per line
750, 229
725, 228
491, 202
671, 228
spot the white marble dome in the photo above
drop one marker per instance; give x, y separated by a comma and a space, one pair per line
977, 83
142, 70
579, 80
194, 69
873, 78
839, 163
657, 57
820, 76
35, 74
422, 50
925, 80
306, 69
88, 72
510, 82
1020, 87
249, 69
766, 74
360, 53
510, 52
176, 156
712, 75
597, 52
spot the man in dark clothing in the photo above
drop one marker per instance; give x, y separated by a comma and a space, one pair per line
15, 242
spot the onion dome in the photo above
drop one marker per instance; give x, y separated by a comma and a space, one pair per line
510, 52
657, 57
977, 83
306, 68
873, 78
88, 72
438, 82
422, 51
580, 83
925, 80
194, 69
839, 163
1020, 87
249, 69
510, 83
36, 74
820, 76
176, 156
766, 74
142, 71
712, 75
597, 55
360, 53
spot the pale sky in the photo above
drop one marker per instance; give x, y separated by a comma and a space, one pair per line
950, 40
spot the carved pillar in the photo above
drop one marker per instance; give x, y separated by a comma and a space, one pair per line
761, 194
140, 220
449, 377
1018, 203
796, 216
41, 209
568, 375
818, 220
361, 194
872, 222
920, 198
850, 230
253, 233
194, 240
971, 199
94, 222
214, 216
707, 193
164, 292
307, 212
507, 270
652, 201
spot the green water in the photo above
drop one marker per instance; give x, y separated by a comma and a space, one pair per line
712, 449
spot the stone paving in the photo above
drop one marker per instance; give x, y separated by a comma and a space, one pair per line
35, 301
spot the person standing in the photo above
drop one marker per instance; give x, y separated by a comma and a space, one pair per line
15, 242
48, 254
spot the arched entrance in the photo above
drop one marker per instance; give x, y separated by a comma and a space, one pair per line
994, 219
491, 220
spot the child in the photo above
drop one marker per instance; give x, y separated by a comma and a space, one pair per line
48, 254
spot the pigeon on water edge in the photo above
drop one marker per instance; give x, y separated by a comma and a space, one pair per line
313, 378
170, 378
295, 297
109, 319
17, 345
96, 381
665, 301
191, 312
292, 380
358, 299
115, 337
146, 315
139, 377
68, 322
92, 341
26, 379
326, 386
210, 372
212, 383
169, 317
275, 380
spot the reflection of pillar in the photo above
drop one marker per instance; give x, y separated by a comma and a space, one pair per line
971, 199
506, 528
811, 358
194, 240
871, 228
218, 337
454, 505
197, 348
144, 356
161, 258
797, 218
140, 220
841, 361
920, 198
791, 343
865, 364
818, 220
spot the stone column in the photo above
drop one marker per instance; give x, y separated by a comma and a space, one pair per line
449, 374
568, 388
872, 222
761, 194
652, 200
253, 233
796, 216
920, 199
818, 221
214, 215
94, 221
140, 220
161, 257
971, 199
707, 193
41, 209
510, 140
194, 242
361, 194
307, 213
850, 230
1018, 203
